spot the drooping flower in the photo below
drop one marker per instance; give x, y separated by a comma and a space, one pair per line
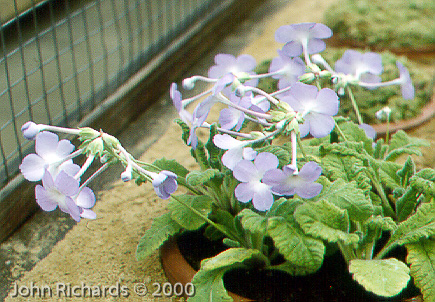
405, 82
250, 174
303, 38
360, 66
177, 100
50, 156
63, 191
165, 184
286, 182
316, 107
198, 119
289, 69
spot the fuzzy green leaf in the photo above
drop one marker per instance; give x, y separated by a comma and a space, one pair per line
208, 282
171, 165
418, 226
388, 174
402, 143
424, 181
196, 178
407, 171
285, 208
347, 168
184, 216
354, 133
406, 204
213, 151
326, 221
253, 221
347, 196
385, 277
184, 128
421, 258
304, 253
160, 230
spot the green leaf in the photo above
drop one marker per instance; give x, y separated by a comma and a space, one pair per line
385, 277
388, 174
424, 181
213, 151
407, 171
208, 282
406, 204
285, 208
154, 237
171, 165
304, 253
253, 221
354, 133
421, 258
418, 226
347, 168
196, 178
184, 128
347, 196
187, 218
326, 221
402, 143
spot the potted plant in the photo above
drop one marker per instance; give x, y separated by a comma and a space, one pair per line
282, 181
406, 29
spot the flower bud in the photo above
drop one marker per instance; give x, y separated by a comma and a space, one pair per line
188, 83
307, 78
127, 174
30, 130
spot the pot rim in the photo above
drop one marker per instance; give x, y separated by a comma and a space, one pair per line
178, 270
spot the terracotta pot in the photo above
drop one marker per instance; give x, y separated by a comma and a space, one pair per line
178, 270
427, 112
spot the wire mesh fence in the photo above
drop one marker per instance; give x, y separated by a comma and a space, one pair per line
60, 59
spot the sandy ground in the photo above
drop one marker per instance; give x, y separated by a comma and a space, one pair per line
102, 252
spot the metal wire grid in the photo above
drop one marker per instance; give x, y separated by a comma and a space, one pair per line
59, 60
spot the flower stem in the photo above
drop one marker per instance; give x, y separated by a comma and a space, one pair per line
355, 105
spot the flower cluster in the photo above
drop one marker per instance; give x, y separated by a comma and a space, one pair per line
53, 164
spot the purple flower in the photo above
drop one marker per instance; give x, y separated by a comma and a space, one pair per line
317, 108
303, 37
198, 118
50, 155
289, 69
64, 192
236, 150
30, 130
231, 117
369, 130
286, 182
165, 184
178, 103
365, 67
250, 174
226, 63
405, 82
